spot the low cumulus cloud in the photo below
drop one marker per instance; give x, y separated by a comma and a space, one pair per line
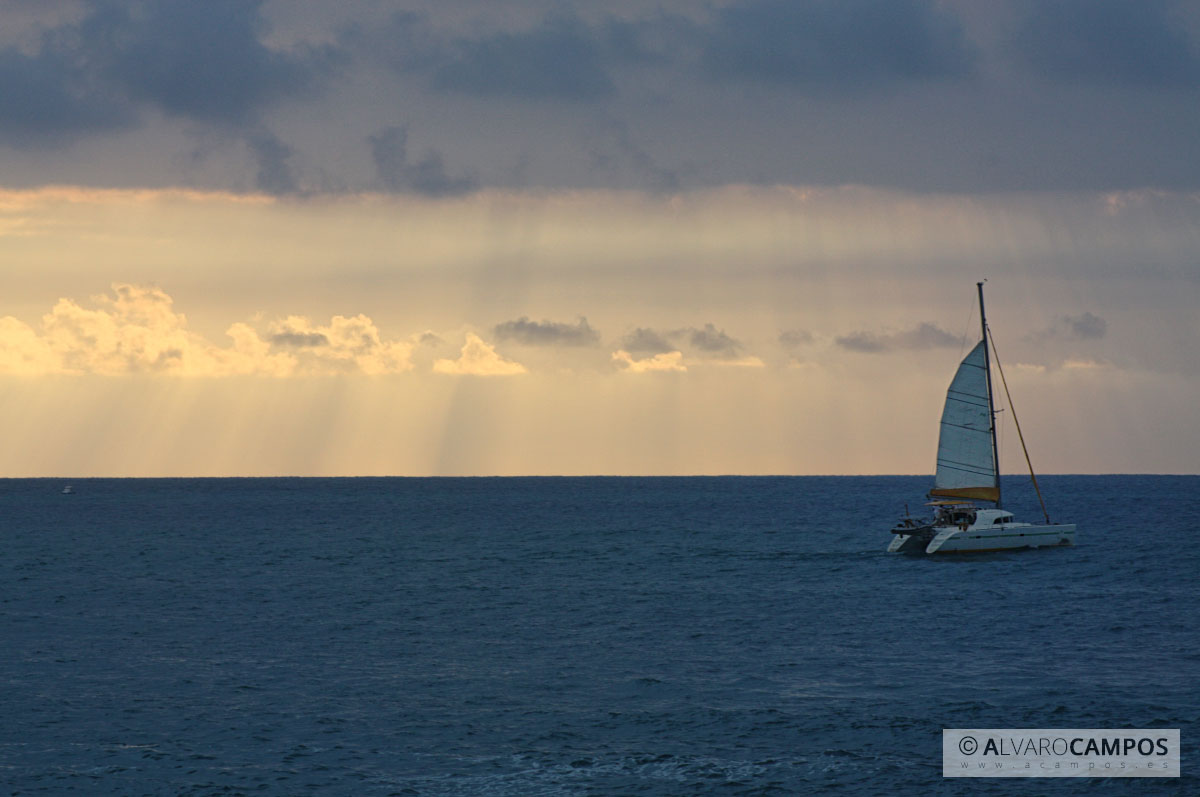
344, 344
922, 336
24, 352
748, 361
646, 341
1085, 326
707, 340
795, 338
429, 338
713, 341
664, 361
136, 330
299, 339
547, 333
478, 358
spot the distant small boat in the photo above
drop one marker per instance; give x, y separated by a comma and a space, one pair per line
968, 471
68, 490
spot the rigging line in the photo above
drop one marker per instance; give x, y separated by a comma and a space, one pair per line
962, 341
1020, 436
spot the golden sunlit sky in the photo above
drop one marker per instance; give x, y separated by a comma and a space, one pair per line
408, 238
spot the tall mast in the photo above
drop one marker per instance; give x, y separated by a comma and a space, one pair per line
987, 369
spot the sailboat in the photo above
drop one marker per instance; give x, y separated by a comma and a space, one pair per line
968, 474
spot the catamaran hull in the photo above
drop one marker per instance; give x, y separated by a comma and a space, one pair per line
968, 470
971, 540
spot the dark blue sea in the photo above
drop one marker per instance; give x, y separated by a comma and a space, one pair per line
573, 636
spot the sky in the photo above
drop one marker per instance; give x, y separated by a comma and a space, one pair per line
521, 237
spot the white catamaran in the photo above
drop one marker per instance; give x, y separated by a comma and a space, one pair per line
968, 472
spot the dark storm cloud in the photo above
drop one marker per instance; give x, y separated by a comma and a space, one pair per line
548, 333
203, 61
561, 60
823, 44
557, 56
831, 45
427, 176
628, 95
405, 41
646, 341
922, 336
1116, 42
274, 175
200, 60
617, 150
50, 97
634, 42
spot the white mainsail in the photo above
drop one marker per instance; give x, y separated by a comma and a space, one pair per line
966, 467
968, 471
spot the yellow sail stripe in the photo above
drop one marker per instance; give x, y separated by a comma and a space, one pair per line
975, 493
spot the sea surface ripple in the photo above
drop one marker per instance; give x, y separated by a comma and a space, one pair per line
572, 636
